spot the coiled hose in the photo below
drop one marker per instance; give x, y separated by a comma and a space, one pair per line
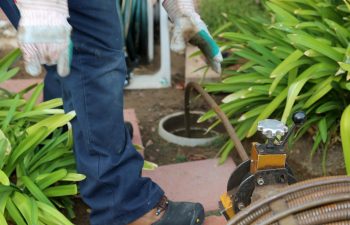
134, 15
318, 201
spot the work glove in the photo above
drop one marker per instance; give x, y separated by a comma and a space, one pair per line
44, 35
190, 28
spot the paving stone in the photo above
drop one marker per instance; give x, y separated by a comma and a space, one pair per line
199, 181
215, 220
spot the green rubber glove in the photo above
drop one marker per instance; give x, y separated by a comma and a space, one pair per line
190, 28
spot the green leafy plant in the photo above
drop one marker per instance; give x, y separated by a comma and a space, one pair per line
37, 167
345, 135
297, 59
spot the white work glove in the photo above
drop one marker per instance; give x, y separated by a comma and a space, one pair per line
44, 35
190, 28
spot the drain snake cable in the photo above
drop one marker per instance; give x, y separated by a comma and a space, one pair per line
317, 201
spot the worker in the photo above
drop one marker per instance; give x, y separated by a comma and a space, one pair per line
82, 44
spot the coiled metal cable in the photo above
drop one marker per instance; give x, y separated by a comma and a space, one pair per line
318, 201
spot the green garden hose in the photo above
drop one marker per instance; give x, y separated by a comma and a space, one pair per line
134, 15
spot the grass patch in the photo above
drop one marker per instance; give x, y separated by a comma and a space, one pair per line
217, 12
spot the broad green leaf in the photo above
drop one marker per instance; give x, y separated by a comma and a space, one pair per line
221, 29
14, 213
342, 32
225, 151
4, 180
31, 114
246, 66
10, 114
318, 46
12, 102
149, 165
27, 207
323, 89
252, 113
344, 66
281, 68
139, 148
237, 36
284, 67
231, 107
322, 126
2, 219
9, 74
52, 156
3, 200
64, 162
7, 61
328, 106
5, 148
235, 96
53, 215
274, 104
297, 86
302, 12
312, 53
35, 191
25, 145
74, 177
241, 133
283, 15
316, 144
34, 97
243, 78
61, 190
345, 134
51, 104
292, 75
69, 143
52, 147
266, 53
347, 85
45, 180
254, 57
52, 122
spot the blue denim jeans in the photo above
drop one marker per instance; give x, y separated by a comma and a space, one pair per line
114, 188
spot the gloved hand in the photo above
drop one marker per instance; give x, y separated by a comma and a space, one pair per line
44, 35
190, 28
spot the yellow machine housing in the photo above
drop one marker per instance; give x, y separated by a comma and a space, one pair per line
262, 161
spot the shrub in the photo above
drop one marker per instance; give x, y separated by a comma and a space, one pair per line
37, 167
297, 59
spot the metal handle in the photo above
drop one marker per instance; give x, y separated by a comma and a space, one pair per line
272, 128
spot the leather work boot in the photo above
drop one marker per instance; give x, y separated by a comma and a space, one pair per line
173, 213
